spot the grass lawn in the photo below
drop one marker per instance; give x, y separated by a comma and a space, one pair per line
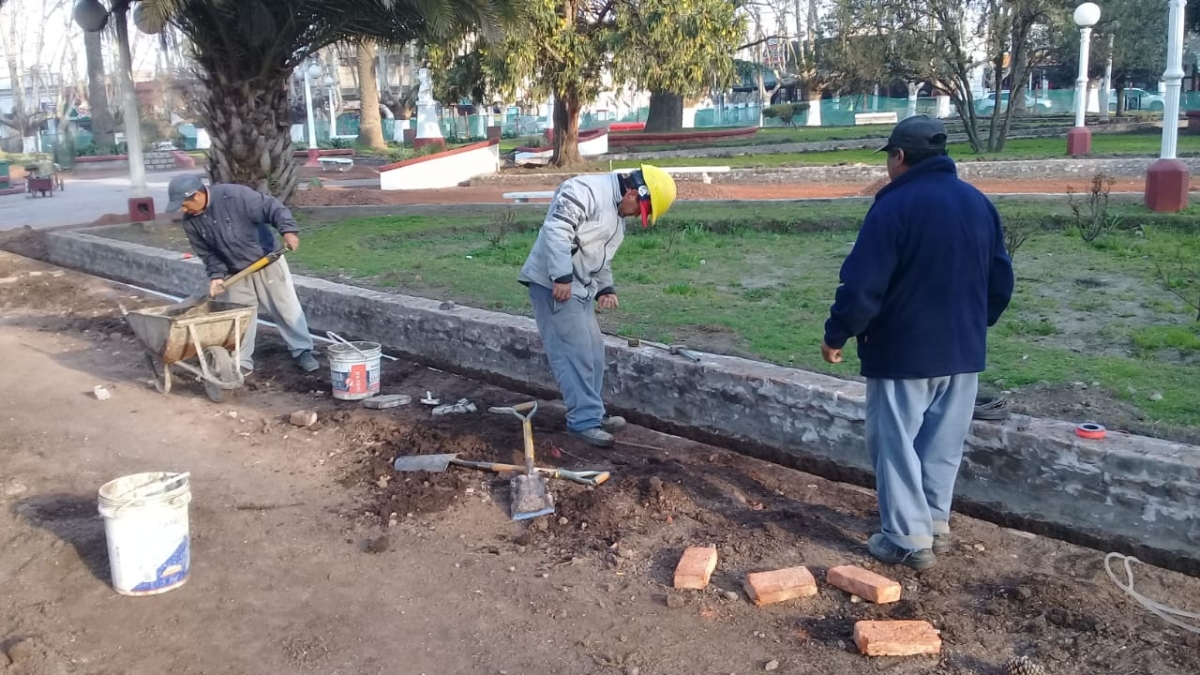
1019, 148
1083, 313
775, 135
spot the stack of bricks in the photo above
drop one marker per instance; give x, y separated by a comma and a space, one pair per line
873, 638
160, 161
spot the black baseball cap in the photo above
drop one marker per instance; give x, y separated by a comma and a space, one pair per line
919, 132
180, 188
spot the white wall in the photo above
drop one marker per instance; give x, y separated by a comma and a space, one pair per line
442, 171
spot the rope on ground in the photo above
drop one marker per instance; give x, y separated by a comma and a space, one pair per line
1160, 610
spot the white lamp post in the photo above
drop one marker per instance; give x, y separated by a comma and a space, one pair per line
91, 16
1079, 138
332, 114
312, 72
1167, 179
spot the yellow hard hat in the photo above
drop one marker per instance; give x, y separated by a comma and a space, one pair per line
661, 188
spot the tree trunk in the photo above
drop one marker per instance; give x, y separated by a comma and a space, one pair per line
370, 129
566, 130
102, 118
1020, 74
1120, 97
814, 107
914, 88
666, 112
250, 127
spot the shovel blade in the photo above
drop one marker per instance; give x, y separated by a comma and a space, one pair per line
430, 463
530, 498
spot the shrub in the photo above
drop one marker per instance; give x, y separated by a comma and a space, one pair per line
785, 112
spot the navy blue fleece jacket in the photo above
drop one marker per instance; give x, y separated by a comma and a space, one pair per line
926, 278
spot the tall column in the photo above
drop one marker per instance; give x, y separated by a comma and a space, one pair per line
1167, 179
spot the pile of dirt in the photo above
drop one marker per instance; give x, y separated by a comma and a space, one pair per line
24, 241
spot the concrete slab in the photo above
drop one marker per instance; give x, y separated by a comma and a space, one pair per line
1127, 493
84, 200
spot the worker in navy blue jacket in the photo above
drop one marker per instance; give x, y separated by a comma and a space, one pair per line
927, 277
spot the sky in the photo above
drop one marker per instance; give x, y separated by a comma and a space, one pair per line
48, 37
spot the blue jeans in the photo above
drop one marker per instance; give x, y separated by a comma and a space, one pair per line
575, 348
915, 435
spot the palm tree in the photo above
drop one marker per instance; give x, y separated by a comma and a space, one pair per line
370, 127
102, 117
246, 51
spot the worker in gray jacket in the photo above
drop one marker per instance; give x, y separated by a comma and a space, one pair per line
569, 275
228, 227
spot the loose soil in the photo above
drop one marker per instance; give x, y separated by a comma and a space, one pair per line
311, 555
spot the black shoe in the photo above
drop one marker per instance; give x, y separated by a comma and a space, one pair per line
942, 544
886, 552
612, 424
594, 436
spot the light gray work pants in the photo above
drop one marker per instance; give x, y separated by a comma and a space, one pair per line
915, 434
271, 288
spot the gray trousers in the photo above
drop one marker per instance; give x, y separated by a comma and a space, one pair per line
915, 435
271, 288
575, 348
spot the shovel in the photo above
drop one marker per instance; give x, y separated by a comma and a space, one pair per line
529, 496
197, 298
439, 464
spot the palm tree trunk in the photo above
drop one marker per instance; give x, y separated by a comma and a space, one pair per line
566, 130
102, 117
370, 129
250, 127
666, 112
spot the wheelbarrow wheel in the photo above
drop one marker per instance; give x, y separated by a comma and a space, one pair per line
221, 366
162, 375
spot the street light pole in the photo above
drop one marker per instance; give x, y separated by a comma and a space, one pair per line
92, 17
1079, 138
1167, 179
309, 74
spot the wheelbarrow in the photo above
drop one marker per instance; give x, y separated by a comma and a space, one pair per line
206, 332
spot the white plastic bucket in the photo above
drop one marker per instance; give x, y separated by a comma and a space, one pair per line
355, 375
146, 524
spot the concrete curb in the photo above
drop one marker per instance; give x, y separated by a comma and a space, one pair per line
1129, 493
1015, 169
851, 144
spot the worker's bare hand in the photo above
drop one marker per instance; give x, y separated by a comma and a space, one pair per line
830, 354
608, 301
291, 241
562, 292
216, 287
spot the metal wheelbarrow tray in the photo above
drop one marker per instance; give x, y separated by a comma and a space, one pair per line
207, 333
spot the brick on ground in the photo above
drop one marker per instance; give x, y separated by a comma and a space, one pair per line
896, 638
863, 583
765, 588
695, 567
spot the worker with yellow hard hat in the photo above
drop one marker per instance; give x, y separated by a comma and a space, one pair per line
569, 275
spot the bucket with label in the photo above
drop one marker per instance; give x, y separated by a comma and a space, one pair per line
146, 525
354, 369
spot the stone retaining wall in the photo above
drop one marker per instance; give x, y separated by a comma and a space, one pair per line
1128, 493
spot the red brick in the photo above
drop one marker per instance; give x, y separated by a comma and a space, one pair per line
896, 638
765, 588
695, 568
864, 583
